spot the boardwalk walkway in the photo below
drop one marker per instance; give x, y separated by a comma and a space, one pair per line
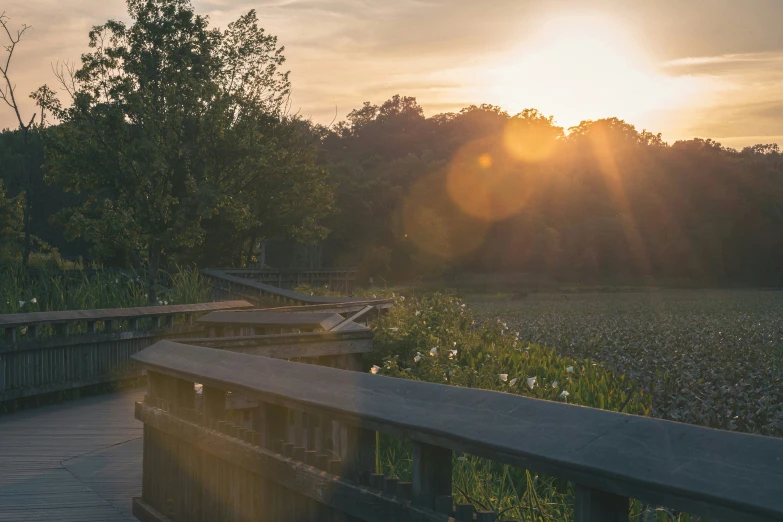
76, 461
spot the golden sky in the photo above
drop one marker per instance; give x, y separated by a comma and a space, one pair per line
686, 68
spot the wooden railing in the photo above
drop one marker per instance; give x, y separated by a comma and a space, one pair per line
339, 280
46, 352
229, 286
308, 450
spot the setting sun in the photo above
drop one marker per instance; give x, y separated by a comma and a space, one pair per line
581, 68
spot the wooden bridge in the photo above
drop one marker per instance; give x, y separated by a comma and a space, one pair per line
270, 415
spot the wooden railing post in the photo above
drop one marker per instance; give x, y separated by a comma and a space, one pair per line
431, 473
592, 505
214, 403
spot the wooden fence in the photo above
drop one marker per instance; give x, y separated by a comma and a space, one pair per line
226, 284
307, 450
46, 352
339, 280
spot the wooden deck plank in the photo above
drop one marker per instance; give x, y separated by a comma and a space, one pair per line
77, 461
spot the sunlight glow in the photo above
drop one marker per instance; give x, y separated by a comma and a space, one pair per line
583, 67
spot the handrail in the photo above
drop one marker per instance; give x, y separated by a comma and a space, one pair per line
114, 314
713, 473
280, 292
262, 318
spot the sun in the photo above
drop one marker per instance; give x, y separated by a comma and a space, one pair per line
581, 67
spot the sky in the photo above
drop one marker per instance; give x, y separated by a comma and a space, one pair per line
695, 68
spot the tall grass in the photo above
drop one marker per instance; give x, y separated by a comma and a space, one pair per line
53, 290
437, 339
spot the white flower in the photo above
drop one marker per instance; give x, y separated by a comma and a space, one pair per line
433, 352
503, 377
24, 330
461, 459
418, 313
165, 303
374, 369
452, 354
393, 329
455, 343
33, 300
116, 281
402, 298
417, 358
564, 394
512, 382
554, 384
531, 381
570, 369
462, 305
21, 304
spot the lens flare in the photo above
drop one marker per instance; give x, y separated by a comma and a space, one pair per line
486, 183
435, 224
528, 142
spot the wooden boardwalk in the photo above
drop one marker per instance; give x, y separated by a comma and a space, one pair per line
76, 461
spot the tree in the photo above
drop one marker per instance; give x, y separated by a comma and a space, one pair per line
162, 132
8, 94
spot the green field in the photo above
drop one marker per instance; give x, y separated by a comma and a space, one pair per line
713, 358
704, 357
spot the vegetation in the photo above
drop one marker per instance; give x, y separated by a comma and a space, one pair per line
52, 290
709, 358
482, 191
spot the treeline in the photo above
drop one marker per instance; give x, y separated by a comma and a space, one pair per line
175, 145
482, 191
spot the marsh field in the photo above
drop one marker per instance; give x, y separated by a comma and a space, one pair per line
712, 358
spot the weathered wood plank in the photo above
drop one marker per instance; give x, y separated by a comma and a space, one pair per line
296, 476
689, 468
107, 314
314, 320
289, 346
80, 461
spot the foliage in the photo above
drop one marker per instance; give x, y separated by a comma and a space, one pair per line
484, 191
169, 127
415, 341
53, 290
713, 358
11, 215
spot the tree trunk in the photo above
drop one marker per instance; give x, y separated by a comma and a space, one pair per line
27, 198
250, 248
152, 273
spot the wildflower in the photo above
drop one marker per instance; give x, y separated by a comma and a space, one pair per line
564, 394
461, 459
570, 369
455, 343
116, 281
503, 377
452, 354
393, 329
531, 381
374, 369
165, 303
554, 384
462, 305
21, 304
433, 352
402, 298
33, 300
24, 330
417, 358
512, 382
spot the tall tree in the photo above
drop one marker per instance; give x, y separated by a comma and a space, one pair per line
157, 135
9, 95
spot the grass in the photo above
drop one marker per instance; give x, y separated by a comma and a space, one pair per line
52, 290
